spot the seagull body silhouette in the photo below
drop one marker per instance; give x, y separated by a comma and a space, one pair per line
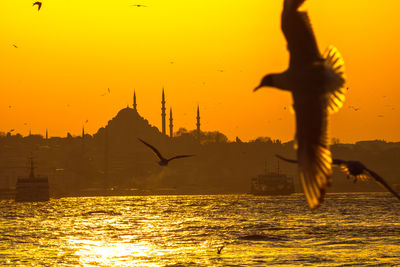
355, 170
316, 83
39, 5
163, 161
139, 5
15, 45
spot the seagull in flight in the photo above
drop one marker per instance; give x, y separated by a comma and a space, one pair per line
163, 161
317, 85
39, 5
354, 108
139, 5
355, 170
15, 45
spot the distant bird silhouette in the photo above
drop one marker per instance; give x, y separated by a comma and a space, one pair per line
139, 5
354, 108
9, 106
15, 45
316, 83
220, 249
12, 130
355, 170
39, 5
163, 161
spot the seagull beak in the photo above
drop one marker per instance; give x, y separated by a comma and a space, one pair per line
256, 89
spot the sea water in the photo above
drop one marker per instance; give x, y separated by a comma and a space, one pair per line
188, 230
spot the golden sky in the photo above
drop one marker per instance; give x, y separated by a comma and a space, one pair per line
207, 53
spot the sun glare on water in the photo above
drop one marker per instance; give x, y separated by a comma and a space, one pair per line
113, 253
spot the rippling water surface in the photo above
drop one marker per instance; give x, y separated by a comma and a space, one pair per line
349, 229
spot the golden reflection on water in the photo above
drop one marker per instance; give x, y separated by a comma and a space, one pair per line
111, 253
187, 230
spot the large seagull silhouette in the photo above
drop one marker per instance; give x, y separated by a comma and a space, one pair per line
316, 83
163, 161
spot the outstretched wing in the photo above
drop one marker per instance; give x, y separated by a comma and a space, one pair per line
299, 34
313, 154
180, 156
39, 4
153, 148
338, 162
382, 182
286, 159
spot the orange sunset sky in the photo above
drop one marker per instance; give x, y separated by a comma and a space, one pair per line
207, 53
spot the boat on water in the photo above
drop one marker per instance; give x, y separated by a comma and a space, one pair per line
272, 183
32, 188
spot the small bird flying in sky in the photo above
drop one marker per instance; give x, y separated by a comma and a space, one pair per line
355, 170
354, 108
317, 86
15, 45
39, 5
163, 161
139, 5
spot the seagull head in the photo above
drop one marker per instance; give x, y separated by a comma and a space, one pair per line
266, 81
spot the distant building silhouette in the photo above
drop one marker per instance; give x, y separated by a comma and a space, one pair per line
198, 122
106, 158
30, 133
163, 115
171, 126
134, 101
83, 132
47, 135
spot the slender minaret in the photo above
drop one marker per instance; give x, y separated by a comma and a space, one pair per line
163, 112
171, 126
83, 132
47, 135
198, 122
134, 100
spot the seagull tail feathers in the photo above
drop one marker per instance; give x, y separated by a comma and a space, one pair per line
336, 89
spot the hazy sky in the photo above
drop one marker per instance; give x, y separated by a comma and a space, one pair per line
211, 53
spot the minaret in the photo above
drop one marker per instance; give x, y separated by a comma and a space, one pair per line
47, 135
198, 122
171, 126
83, 132
134, 100
163, 112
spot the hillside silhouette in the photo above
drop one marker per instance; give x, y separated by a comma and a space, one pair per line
113, 161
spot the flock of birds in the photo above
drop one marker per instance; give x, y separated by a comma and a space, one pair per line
317, 84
